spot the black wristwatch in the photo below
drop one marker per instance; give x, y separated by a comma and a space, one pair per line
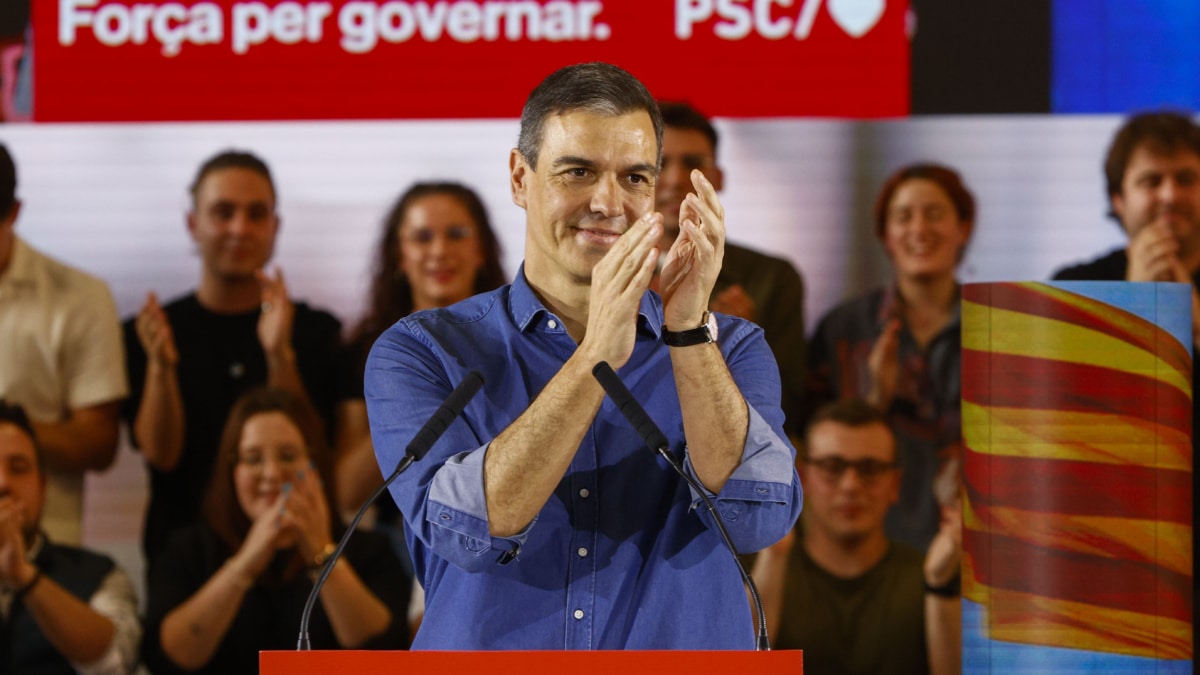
704, 334
950, 589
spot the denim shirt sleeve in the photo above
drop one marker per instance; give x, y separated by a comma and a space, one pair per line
440, 496
456, 511
761, 500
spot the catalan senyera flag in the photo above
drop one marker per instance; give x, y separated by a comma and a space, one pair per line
1077, 423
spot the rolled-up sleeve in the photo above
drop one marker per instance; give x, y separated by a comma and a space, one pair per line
457, 514
441, 496
762, 499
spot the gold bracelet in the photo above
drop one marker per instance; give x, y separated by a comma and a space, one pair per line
322, 556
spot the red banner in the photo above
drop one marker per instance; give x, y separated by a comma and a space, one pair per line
129, 60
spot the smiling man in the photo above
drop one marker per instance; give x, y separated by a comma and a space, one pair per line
540, 521
1152, 173
191, 358
62, 609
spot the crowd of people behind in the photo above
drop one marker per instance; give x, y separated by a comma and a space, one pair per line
247, 406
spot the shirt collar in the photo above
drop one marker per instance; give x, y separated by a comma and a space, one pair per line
891, 305
526, 310
20, 265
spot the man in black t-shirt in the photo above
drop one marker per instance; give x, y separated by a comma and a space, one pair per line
190, 359
1152, 173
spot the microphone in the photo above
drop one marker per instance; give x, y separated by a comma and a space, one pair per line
654, 439
451, 409
630, 408
417, 449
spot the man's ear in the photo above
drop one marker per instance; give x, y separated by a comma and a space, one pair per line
16, 211
189, 221
519, 172
11, 217
1117, 202
896, 479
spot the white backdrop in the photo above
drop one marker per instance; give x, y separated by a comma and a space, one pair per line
110, 199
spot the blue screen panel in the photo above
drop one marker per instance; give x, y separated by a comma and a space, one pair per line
1118, 56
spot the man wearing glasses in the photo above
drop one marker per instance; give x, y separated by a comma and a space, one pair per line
882, 609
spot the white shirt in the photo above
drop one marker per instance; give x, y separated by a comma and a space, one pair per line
61, 349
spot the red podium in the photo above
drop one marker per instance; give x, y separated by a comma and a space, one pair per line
530, 663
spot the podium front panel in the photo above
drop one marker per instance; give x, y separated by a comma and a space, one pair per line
784, 662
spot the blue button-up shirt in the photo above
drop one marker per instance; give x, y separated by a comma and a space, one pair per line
623, 555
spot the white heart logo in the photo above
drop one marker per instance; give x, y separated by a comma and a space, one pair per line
856, 17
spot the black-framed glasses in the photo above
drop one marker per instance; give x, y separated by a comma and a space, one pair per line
833, 468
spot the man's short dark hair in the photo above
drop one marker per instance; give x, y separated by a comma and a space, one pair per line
14, 414
1162, 132
682, 115
853, 412
595, 87
8, 182
231, 159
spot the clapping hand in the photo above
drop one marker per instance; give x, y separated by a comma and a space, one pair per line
155, 335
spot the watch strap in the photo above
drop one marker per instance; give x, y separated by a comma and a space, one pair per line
702, 334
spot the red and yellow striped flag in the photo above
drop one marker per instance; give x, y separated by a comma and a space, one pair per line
1077, 419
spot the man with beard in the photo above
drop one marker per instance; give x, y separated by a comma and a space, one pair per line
62, 609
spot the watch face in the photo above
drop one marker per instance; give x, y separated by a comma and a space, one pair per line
712, 327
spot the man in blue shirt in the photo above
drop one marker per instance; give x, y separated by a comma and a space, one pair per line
540, 521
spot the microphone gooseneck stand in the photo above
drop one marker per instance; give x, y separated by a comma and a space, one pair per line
421, 443
654, 439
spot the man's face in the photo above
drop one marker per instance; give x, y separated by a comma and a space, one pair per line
1162, 188
849, 480
20, 479
234, 223
683, 150
594, 179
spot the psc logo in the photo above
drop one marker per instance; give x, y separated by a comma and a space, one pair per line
771, 20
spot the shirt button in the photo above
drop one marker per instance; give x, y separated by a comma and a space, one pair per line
579, 614
552, 323
582, 552
583, 492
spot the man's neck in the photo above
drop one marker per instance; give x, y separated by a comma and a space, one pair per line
845, 559
8, 242
229, 296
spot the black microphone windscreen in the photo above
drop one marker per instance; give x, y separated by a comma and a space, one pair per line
629, 406
452, 408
